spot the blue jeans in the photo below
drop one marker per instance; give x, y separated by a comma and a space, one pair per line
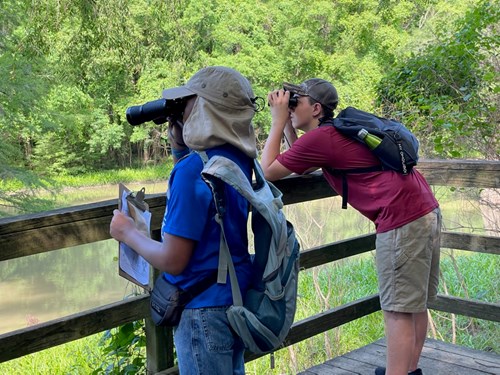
206, 344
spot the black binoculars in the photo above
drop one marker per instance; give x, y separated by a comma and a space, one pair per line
292, 102
159, 111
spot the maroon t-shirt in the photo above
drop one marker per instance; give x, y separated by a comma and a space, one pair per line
388, 198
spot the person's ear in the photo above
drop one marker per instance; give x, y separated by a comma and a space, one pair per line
317, 109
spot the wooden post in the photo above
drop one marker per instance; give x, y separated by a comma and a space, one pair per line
159, 340
159, 347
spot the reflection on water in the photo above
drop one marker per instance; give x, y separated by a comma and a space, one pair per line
47, 286
323, 221
42, 287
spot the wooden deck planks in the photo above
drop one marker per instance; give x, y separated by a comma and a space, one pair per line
438, 358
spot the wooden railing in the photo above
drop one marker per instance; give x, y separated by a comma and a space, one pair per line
31, 234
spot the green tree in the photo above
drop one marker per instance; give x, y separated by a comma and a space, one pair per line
22, 86
74, 66
448, 92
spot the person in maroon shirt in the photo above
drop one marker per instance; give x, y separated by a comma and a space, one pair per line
403, 208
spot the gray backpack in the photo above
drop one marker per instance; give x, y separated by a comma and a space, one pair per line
263, 317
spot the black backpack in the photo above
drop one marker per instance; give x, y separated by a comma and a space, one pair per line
398, 150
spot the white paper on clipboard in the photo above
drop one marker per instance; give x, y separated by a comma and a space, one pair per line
131, 265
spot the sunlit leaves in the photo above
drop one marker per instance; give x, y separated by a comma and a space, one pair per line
446, 91
109, 55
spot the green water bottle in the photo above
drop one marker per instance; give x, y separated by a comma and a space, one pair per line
371, 140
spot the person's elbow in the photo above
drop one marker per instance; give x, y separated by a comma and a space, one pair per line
173, 269
270, 176
275, 171
172, 266
176, 254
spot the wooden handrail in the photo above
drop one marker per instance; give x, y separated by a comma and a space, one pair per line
31, 234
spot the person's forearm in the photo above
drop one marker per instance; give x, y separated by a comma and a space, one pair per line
290, 135
272, 146
272, 168
171, 256
146, 247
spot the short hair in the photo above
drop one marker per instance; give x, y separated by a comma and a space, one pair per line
327, 112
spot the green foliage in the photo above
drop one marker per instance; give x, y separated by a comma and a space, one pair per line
124, 350
71, 358
72, 68
18, 186
448, 91
22, 85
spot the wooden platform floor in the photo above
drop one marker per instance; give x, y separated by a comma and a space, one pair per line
438, 358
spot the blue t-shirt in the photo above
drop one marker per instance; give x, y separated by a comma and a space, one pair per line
190, 213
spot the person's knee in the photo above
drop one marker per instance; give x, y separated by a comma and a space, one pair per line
396, 316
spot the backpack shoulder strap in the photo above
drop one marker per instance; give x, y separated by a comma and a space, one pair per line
225, 261
343, 174
263, 196
216, 185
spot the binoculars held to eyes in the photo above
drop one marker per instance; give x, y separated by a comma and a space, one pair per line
163, 110
293, 101
159, 111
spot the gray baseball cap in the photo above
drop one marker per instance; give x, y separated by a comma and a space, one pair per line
320, 90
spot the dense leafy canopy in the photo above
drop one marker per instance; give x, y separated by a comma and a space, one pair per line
448, 92
70, 68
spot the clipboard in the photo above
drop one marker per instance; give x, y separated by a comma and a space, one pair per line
131, 265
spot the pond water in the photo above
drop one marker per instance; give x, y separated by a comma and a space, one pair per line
46, 286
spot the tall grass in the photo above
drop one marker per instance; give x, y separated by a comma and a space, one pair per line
148, 173
76, 357
66, 190
98, 178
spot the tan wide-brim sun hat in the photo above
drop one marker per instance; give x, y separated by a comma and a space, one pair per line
223, 111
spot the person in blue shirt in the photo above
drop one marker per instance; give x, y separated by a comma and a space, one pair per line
217, 119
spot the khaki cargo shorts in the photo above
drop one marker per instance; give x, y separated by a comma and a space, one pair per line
408, 264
